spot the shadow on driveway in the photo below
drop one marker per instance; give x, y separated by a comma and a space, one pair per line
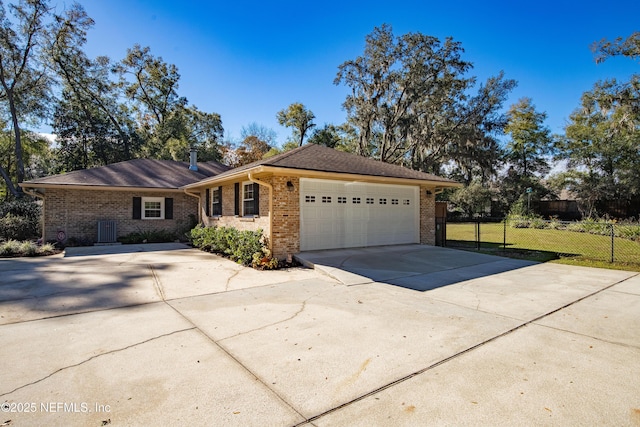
36, 288
122, 249
417, 267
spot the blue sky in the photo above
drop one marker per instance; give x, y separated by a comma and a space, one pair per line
247, 60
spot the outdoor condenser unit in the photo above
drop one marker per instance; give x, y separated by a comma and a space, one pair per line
107, 232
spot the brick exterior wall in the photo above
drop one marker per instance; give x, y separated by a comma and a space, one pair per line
427, 216
286, 216
228, 217
77, 212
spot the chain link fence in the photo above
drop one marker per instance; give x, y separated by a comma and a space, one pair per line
544, 240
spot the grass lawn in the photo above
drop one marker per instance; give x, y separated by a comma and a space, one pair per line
566, 247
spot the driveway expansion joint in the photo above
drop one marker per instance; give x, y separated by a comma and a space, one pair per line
75, 365
235, 359
456, 355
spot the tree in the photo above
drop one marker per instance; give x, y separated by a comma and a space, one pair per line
530, 141
602, 145
188, 128
36, 154
472, 199
528, 151
410, 102
24, 80
257, 141
263, 133
297, 116
629, 47
328, 135
89, 89
152, 85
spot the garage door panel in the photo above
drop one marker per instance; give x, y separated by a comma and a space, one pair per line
356, 214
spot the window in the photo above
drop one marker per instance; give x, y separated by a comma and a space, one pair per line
249, 197
356, 200
342, 200
406, 202
326, 199
216, 201
383, 201
152, 208
369, 200
394, 201
310, 199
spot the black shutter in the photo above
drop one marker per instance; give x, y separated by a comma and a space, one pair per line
237, 202
137, 208
168, 208
256, 198
208, 202
220, 198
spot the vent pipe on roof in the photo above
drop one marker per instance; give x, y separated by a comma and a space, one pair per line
193, 159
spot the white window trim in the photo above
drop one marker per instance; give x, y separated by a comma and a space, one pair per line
242, 213
219, 188
152, 199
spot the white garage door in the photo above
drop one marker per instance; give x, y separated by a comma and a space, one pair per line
339, 214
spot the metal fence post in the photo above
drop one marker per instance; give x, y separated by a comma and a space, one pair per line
613, 234
478, 236
504, 235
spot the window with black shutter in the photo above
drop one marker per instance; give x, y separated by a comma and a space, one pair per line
137, 208
207, 202
168, 208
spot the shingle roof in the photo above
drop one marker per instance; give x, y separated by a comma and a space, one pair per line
315, 157
141, 173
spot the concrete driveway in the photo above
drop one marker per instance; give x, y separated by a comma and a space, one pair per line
166, 335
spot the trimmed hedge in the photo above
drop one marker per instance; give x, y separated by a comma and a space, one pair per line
245, 247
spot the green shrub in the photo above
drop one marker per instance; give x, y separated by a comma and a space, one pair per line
78, 241
628, 231
554, 224
241, 246
537, 222
19, 219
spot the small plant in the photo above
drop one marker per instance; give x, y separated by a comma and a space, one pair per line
9, 248
263, 260
28, 248
12, 248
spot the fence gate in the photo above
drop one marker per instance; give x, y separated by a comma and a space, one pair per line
441, 223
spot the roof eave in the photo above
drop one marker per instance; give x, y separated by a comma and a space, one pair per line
266, 169
98, 187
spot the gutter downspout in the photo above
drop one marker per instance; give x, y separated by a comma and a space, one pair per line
39, 196
270, 187
197, 196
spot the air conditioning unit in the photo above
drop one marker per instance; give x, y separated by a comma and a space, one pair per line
107, 232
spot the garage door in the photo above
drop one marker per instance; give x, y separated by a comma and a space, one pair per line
339, 214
